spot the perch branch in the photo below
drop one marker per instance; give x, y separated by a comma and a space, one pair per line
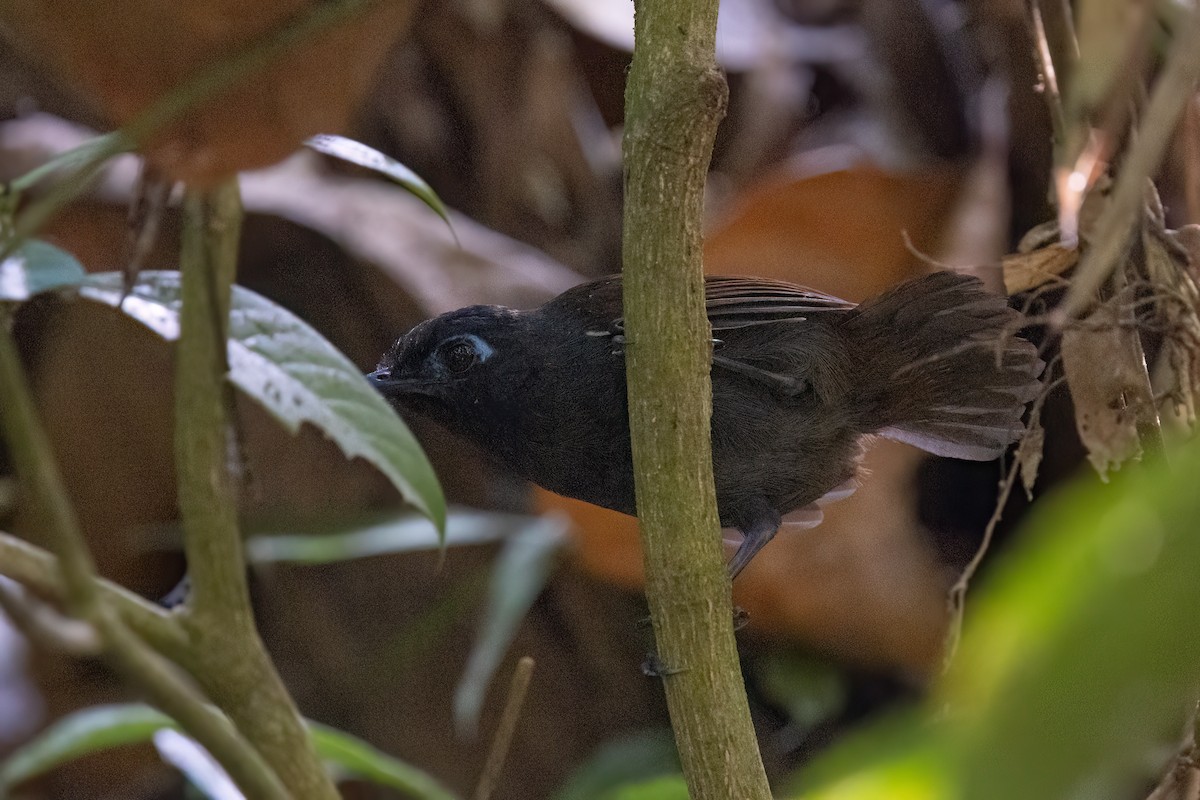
675, 99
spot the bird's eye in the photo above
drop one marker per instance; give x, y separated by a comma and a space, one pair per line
460, 356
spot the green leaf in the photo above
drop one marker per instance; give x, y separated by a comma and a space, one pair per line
812, 690
88, 731
520, 572
368, 157
1084, 653
517, 579
356, 757
100, 728
390, 535
897, 757
1079, 660
631, 759
34, 267
297, 376
73, 161
668, 788
205, 775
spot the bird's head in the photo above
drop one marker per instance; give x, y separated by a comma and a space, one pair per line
464, 368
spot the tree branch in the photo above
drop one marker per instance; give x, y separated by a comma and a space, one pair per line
675, 99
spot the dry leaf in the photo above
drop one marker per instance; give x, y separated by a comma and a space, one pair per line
835, 224
127, 54
1103, 365
1025, 271
1176, 376
1029, 454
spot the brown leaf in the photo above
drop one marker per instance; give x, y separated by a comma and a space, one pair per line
839, 228
863, 585
1025, 271
1103, 365
1029, 454
127, 54
1176, 379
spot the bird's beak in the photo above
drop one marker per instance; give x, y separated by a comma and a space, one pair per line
388, 386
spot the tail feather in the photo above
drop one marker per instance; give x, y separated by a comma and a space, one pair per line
951, 384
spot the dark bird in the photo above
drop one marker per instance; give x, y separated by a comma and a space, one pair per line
799, 379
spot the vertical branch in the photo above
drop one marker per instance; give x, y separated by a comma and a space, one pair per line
232, 664
207, 496
674, 100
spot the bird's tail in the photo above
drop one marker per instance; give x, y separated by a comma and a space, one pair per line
954, 379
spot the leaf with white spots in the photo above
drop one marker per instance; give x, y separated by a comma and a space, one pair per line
283, 364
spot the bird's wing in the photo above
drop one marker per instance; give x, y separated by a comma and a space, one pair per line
733, 303
736, 302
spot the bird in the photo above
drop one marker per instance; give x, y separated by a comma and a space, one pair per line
801, 383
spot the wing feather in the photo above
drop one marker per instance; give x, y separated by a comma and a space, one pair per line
738, 302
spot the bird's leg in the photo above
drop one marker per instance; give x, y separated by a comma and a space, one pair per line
760, 530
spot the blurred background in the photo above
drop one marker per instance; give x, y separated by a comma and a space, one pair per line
865, 142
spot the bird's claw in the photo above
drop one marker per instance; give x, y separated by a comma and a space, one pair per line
653, 667
741, 618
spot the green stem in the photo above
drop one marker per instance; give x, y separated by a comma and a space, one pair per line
35, 568
675, 99
231, 662
207, 495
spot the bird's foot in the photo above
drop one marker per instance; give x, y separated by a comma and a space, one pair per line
741, 618
653, 667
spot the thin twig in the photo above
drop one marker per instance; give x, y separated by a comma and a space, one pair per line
1115, 226
1182, 778
1141, 396
504, 731
956, 597
1050, 88
45, 626
37, 569
178, 698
